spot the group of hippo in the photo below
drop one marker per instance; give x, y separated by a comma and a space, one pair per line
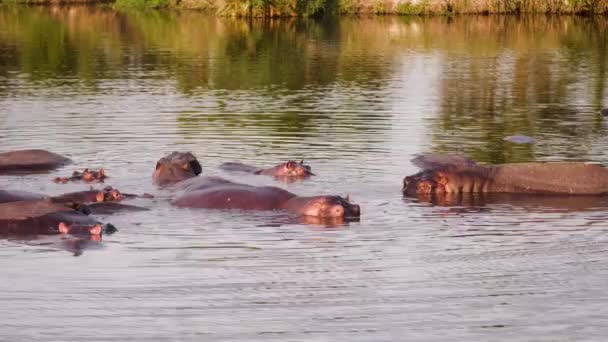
23, 213
27, 214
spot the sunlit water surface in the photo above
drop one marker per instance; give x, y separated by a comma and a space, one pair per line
355, 98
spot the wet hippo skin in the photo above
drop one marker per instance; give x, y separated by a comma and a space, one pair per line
44, 217
217, 193
31, 160
458, 174
289, 169
176, 167
181, 170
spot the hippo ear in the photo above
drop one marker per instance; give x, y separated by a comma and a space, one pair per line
157, 165
347, 198
302, 162
196, 167
63, 228
102, 173
96, 229
440, 161
100, 197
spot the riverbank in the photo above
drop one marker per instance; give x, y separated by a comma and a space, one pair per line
279, 8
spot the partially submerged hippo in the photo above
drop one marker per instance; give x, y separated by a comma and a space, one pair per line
86, 176
87, 196
15, 196
176, 167
31, 160
289, 169
222, 194
42, 217
218, 193
108, 194
458, 174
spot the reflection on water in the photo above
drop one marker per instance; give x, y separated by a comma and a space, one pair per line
356, 98
529, 202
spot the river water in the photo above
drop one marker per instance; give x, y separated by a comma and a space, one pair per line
356, 98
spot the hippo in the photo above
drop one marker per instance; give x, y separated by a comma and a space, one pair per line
31, 161
102, 202
108, 194
288, 170
176, 167
86, 176
182, 169
43, 217
458, 174
15, 196
217, 193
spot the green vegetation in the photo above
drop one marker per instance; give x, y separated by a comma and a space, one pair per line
312, 8
500, 75
406, 8
142, 4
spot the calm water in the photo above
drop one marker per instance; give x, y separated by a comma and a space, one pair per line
356, 98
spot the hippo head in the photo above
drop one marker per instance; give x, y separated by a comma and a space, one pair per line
424, 183
292, 168
94, 231
109, 194
77, 229
176, 167
326, 206
90, 175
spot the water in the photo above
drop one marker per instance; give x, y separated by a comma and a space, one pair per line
356, 98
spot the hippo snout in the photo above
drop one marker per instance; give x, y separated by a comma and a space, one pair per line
353, 211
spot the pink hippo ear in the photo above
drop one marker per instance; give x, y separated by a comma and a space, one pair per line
100, 197
63, 228
96, 229
102, 173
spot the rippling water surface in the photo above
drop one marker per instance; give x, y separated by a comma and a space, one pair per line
355, 98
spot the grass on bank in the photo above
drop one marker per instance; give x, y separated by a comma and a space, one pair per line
306, 8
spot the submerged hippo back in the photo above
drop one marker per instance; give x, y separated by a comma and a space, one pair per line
38, 217
15, 196
565, 178
30, 160
235, 196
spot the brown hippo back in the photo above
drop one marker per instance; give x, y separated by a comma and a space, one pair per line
559, 178
235, 196
38, 217
31, 160
458, 174
14, 196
